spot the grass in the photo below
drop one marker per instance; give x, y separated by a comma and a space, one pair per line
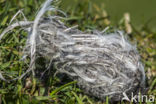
31, 91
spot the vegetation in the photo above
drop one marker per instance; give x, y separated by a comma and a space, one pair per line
89, 17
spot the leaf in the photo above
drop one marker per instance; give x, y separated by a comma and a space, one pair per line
153, 84
34, 86
107, 100
60, 88
41, 98
1, 1
3, 91
73, 18
3, 66
77, 98
4, 20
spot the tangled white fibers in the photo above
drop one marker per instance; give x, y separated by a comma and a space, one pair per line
104, 64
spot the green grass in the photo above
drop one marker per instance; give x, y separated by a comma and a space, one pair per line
89, 17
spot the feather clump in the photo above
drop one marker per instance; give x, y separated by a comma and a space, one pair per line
104, 64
